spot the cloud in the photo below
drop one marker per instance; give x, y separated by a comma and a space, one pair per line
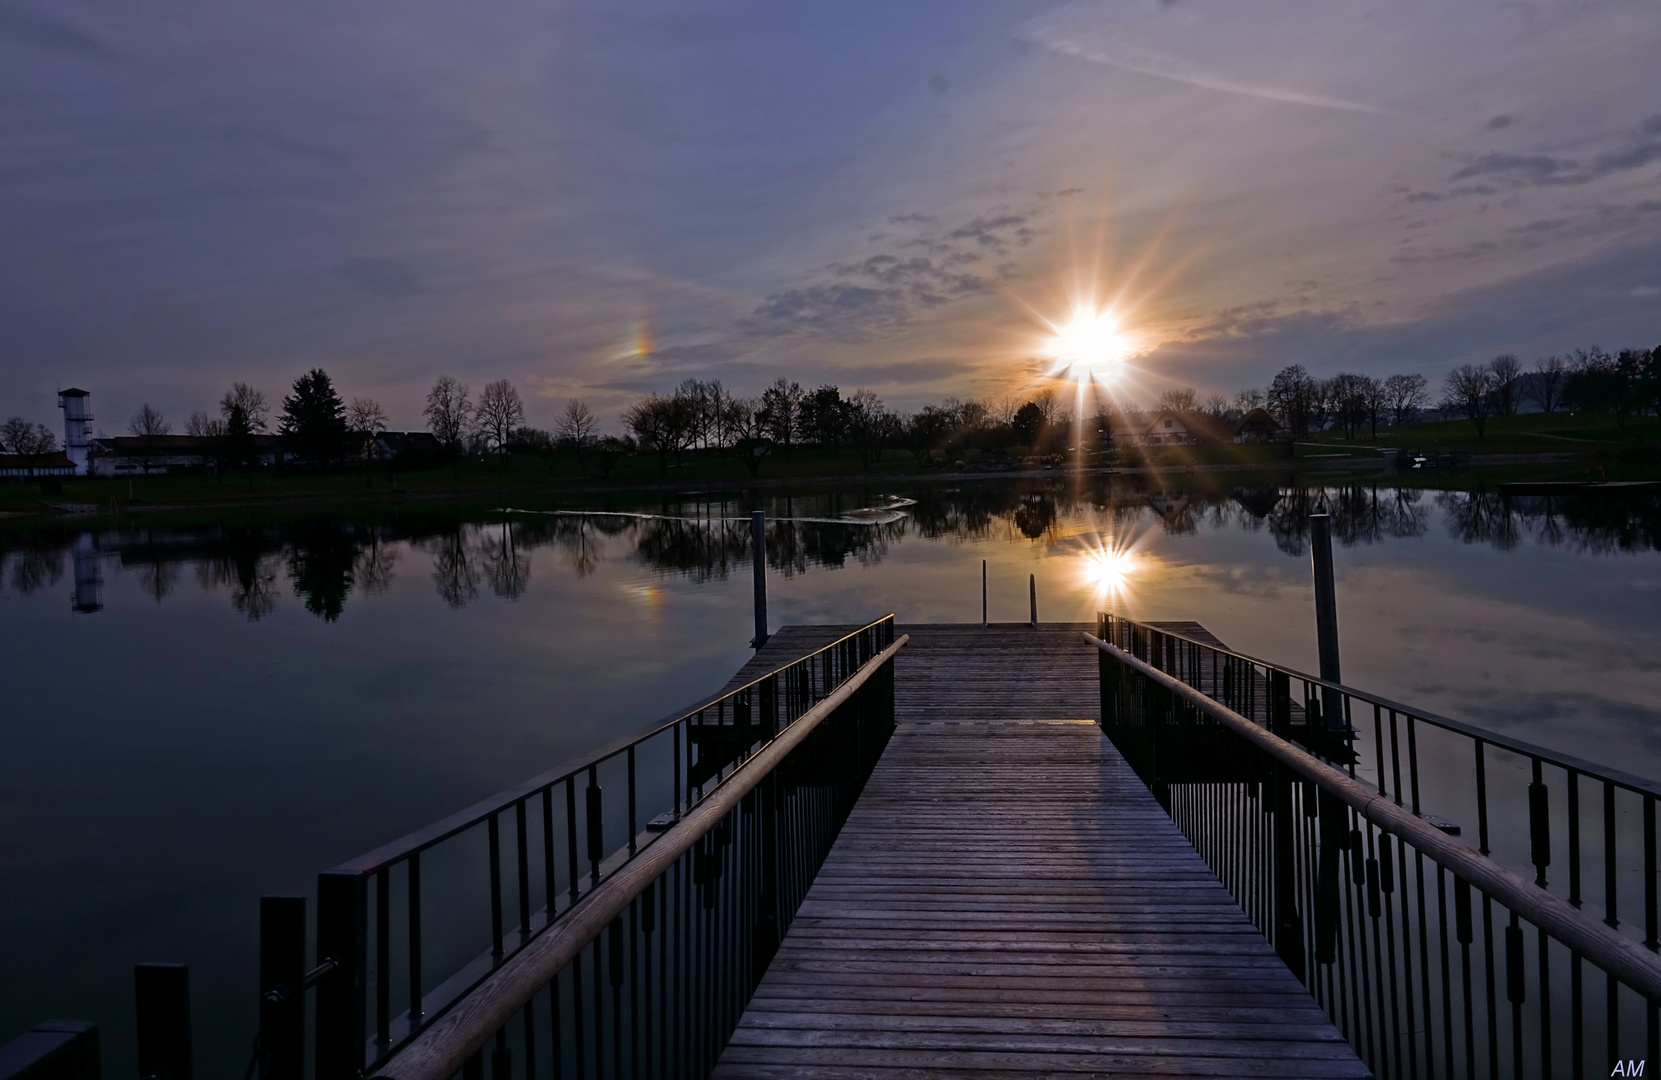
891, 289
1114, 43
22, 24
1638, 146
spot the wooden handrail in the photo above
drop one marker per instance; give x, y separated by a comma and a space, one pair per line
439, 1051
1616, 954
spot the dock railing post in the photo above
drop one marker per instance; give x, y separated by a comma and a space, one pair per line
758, 542
983, 594
1032, 596
1326, 618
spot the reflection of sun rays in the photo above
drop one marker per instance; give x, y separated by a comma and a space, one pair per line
1112, 566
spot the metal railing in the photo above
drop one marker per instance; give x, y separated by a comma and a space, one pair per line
409, 935
1331, 815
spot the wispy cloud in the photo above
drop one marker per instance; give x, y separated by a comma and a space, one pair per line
1114, 50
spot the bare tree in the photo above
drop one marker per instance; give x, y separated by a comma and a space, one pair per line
576, 428
252, 403
27, 440
1181, 402
662, 425
1406, 396
449, 408
1375, 402
147, 423
1470, 390
1293, 397
1247, 400
499, 415
203, 426
1217, 406
1506, 371
365, 419
1546, 388
781, 408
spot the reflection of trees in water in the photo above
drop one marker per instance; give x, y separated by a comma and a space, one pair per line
454, 573
1361, 513
507, 568
376, 566
1586, 524
322, 566
1035, 515
325, 560
35, 568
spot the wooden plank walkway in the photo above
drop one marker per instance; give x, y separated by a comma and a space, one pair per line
1007, 900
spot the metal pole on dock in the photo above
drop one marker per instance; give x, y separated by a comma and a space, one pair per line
983, 594
758, 541
1032, 595
1326, 617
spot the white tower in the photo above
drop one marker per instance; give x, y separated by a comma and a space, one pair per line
77, 426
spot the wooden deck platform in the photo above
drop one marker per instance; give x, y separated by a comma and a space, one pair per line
1007, 900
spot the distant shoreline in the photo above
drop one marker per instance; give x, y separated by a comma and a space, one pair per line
62, 510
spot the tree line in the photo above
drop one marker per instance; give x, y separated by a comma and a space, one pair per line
1624, 384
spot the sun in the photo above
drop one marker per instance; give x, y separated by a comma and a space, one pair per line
1089, 344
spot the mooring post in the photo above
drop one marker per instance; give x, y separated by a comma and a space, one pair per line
161, 995
1032, 596
983, 594
758, 541
1326, 618
283, 986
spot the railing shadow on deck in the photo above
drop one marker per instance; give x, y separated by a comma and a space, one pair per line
1431, 956
610, 918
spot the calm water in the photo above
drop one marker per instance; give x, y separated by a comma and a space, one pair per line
252, 702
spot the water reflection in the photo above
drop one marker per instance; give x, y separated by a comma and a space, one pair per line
325, 562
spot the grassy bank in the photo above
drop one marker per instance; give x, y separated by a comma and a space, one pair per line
1595, 441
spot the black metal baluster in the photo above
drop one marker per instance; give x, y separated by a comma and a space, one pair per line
1395, 756
1515, 991
596, 830
574, 882
1611, 891
1545, 1004
1481, 798
634, 828
1413, 761
1650, 931
1464, 934
1573, 795
495, 830
523, 852
1539, 825
383, 960
416, 1009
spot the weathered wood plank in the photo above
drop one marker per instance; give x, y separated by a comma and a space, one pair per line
1007, 899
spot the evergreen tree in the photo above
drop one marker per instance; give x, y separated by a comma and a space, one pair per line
314, 419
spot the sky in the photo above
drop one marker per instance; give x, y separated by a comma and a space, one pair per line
597, 200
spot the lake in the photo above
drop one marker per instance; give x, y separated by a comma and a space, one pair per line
199, 714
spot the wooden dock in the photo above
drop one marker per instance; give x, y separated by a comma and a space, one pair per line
1008, 900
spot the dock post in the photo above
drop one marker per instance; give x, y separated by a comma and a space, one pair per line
283, 986
1326, 618
1032, 596
162, 1016
758, 542
983, 594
